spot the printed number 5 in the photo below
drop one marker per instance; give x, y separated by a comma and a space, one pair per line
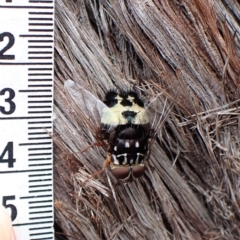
11, 206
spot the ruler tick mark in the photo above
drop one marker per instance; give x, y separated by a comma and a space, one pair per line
38, 80
41, 13
36, 143
40, 30
39, 96
39, 159
40, 85
40, 69
40, 24
39, 106
40, 46
27, 35
46, 90
34, 52
37, 112
39, 74
39, 138
33, 223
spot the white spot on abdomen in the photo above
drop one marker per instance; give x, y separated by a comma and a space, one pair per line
115, 161
125, 158
127, 145
137, 159
136, 144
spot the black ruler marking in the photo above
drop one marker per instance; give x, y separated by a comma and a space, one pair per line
37, 90
39, 228
49, 85
39, 106
40, 24
40, 186
26, 63
39, 159
32, 223
39, 52
41, 19
40, 212
40, 30
45, 127
37, 46
40, 122
38, 80
33, 117
39, 138
42, 206
40, 191
39, 57
42, 201
40, 69
40, 175
36, 143
35, 149
41, 101
37, 112
36, 36
29, 170
37, 196
41, 13
35, 218
40, 1
40, 96
38, 154
27, 7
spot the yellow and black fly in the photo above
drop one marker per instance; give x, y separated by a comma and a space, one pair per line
124, 125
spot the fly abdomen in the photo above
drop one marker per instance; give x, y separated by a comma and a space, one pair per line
130, 146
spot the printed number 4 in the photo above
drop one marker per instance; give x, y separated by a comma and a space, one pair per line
8, 150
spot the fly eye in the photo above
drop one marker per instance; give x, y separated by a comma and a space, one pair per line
138, 170
120, 172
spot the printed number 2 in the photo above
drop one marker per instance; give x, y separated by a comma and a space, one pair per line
10, 43
12, 105
9, 151
11, 206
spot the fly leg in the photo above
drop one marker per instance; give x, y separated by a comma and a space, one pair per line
105, 165
98, 144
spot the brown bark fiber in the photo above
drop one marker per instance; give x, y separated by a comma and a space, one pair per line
189, 50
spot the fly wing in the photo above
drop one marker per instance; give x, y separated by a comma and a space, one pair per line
89, 107
158, 110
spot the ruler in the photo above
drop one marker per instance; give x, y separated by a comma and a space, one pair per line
26, 107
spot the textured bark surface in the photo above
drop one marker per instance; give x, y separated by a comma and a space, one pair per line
189, 51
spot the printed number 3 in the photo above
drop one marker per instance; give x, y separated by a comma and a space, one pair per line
12, 105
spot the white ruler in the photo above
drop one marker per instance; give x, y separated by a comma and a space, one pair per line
26, 107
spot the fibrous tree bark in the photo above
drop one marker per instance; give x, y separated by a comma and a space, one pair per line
187, 50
